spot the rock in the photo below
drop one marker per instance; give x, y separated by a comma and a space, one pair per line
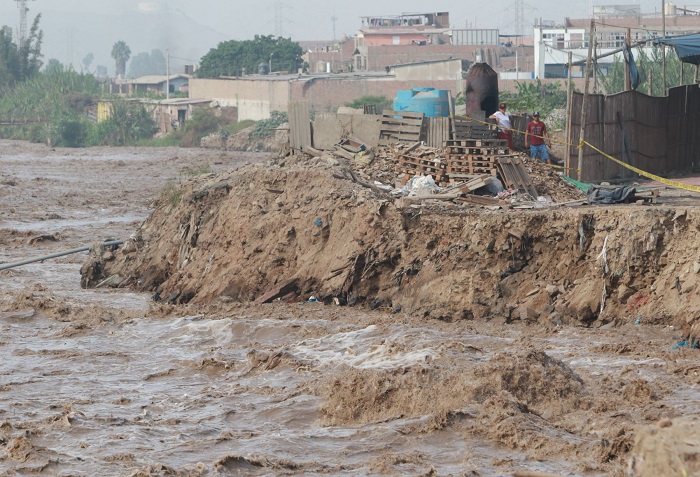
532, 292
623, 293
556, 318
527, 314
696, 267
553, 290
107, 256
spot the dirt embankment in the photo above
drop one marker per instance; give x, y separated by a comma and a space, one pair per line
297, 227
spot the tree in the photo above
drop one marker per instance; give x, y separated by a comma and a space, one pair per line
87, 62
144, 64
101, 71
648, 63
121, 54
54, 66
20, 62
229, 58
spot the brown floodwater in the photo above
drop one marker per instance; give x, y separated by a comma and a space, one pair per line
103, 382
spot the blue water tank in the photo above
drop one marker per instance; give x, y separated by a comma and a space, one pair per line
429, 101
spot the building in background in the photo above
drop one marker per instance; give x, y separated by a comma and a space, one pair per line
552, 44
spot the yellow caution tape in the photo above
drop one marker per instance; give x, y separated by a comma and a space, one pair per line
523, 132
648, 175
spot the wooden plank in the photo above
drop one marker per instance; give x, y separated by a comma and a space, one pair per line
438, 131
478, 200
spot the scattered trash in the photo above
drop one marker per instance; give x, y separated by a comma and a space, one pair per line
638, 321
421, 185
318, 222
687, 344
313, 299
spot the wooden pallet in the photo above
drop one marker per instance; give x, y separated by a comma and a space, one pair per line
489, 142
485, 150
514, 176
469, 129
465, 176
400, 126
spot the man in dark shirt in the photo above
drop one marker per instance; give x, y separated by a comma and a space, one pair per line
537, 137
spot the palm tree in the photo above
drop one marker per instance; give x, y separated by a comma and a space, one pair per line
121, 54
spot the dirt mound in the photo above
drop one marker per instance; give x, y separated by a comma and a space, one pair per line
302, 231
667, 448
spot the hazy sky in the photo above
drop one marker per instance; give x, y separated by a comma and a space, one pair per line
300, 19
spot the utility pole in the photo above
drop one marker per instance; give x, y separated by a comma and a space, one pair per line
569, 92
167, 73
663, 48
628, 77
584, 104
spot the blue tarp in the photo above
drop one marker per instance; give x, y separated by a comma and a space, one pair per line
687, 47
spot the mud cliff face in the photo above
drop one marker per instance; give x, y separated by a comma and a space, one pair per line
242, 233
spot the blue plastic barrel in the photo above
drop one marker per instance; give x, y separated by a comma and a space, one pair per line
429, 101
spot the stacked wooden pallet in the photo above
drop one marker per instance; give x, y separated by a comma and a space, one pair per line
401, 126
467, 157
421, 166
465, 128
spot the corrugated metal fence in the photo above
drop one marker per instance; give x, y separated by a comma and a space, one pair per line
660, 135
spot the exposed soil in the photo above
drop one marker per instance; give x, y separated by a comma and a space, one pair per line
448, 340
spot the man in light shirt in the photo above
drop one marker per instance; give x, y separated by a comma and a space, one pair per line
504, 129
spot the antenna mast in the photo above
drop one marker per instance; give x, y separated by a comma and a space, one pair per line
334, 19
22, 4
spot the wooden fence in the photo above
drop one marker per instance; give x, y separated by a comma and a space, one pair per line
659, 135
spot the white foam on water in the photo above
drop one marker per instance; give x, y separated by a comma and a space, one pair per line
365, 349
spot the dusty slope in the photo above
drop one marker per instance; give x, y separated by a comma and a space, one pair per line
241, 233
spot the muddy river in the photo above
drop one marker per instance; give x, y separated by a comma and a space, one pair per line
104, 382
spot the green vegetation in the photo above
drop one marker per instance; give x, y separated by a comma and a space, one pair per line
128, 123
19, 63
237, 127
144, 64
203, 123
231, 57
379, 102
264, 128
649, 63
121, 54
58, 97
535, 96
171, 193
196, 171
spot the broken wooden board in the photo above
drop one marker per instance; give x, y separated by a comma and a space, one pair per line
478, 200
474, 184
